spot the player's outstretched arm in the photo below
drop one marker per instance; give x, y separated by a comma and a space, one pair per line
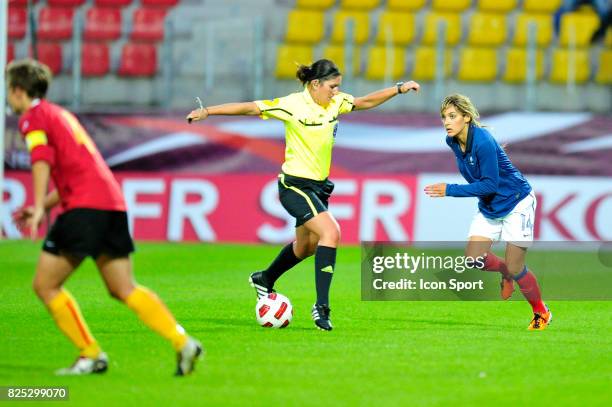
381, 96
227, 109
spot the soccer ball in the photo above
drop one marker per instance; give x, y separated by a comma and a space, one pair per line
274, 311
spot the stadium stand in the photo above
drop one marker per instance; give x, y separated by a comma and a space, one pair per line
453, 28
65, 3
102, 24
148, 24
10, 52
317, 4
578, 27
138, 60
544, 29
159, 3
377, 67
604, 73
361, 26
337, 54
359, 4
564, 70
16, 22
95, 59
450, 5
50, 53
112, 3
400, 25
516, 65
305, 26
288, 55
477, 64
542, 6
487, 29
498, 6
425, 63
55, 24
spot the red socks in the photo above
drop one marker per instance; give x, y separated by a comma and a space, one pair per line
494, 263
530, 289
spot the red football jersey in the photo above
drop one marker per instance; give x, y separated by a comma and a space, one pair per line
78, 170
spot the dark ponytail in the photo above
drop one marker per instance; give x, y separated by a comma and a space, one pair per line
322, 70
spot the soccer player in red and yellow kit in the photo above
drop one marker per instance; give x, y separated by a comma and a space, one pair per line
93, 222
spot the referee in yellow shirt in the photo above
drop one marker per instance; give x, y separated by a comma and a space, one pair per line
311, 122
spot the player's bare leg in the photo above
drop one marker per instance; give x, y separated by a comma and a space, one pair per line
480, 247
51, 273
117, 275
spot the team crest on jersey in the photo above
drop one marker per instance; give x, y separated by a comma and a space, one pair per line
471, 160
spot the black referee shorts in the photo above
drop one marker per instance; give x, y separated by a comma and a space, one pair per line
303, 198
85, 232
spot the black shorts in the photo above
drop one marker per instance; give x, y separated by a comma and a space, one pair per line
303, 198
85, 232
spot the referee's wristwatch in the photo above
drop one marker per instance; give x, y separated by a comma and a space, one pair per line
399, 87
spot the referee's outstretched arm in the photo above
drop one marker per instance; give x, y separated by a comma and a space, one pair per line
381, 96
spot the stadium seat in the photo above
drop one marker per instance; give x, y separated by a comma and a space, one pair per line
608, 40
544, 29
10, 52
148, 24
487, 29
359, 4
561, 69
477, 64
55, 23
337, 54
453, 28
20, 3
516, 65
405, 5
138, 60
17, 17
499, 6
604, 64
377, 64
95, 59
361, 26
450, 5
102, 24
401, 25
305, 26
50, 53
318, 4
112, 3
542, 6
65, 3
288, 55
425, 63
159, 3
579, 26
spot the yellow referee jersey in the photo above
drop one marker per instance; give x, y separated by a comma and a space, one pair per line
309, 131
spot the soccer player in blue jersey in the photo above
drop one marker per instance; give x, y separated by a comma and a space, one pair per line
506, 202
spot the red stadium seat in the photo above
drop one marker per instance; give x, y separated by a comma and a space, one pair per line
10, 52
21, 3
138, 60
16, 22
102, 23
65, 3
55, 23
159, 3
148, 24
50, 53
112, 3
95, 59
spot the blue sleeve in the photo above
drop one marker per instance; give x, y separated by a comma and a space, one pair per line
489, 174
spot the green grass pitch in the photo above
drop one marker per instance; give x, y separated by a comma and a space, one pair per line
380, 353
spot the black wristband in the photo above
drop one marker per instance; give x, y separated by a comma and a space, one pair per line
399, 87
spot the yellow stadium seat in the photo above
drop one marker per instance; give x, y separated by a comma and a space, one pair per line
450, 5
425, 63
400, 25
497, 5
359, 4
405, 5
318, 4
516, 65
377, 63
305, 26
287, 57
542, 6
487, 29
477, 64
361, 26
337, 54
562, 67
604, 64
608, 40
544, 29
579, 27
453, 28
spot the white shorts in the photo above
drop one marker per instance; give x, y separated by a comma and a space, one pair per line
516, 227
